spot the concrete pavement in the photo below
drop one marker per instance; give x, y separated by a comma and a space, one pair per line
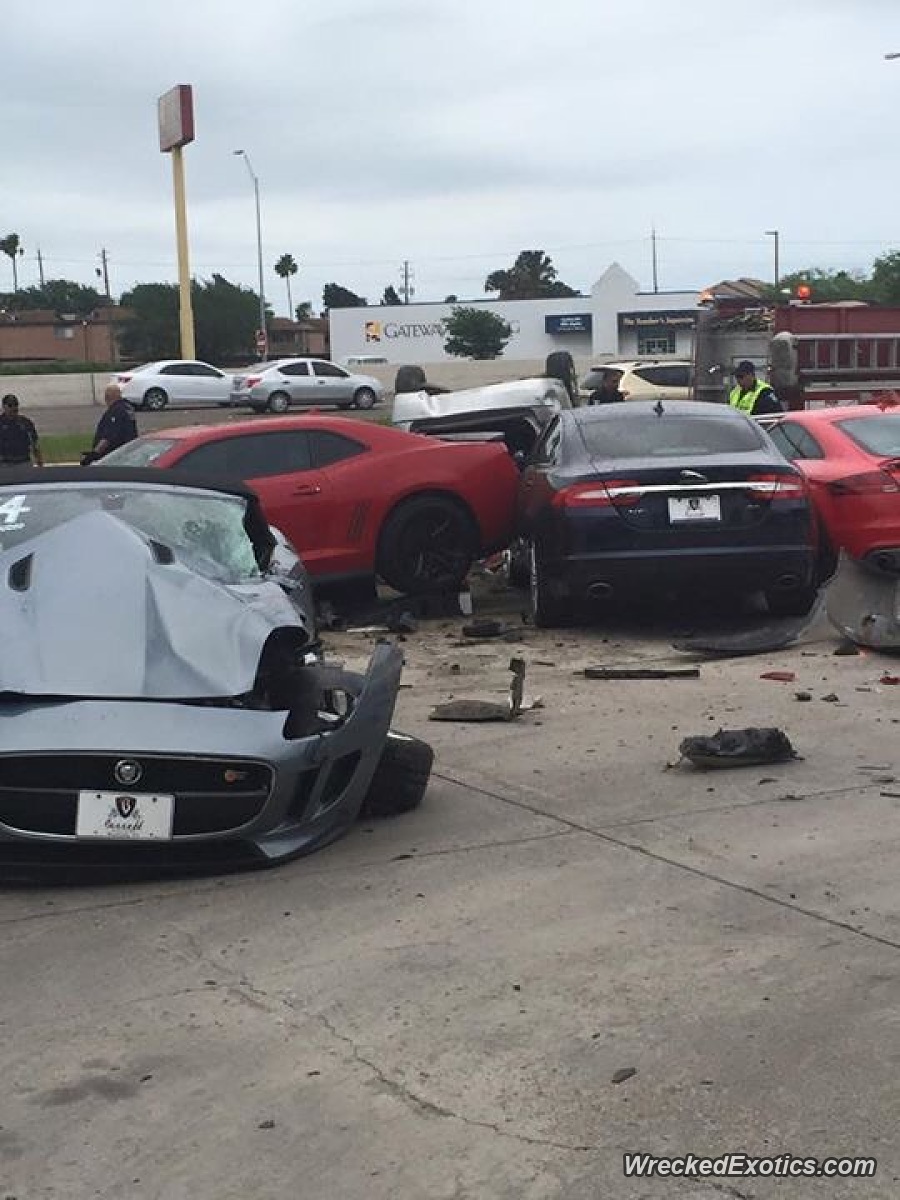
437, 1005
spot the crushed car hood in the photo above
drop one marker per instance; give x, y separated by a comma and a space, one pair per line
91, 608
518, 393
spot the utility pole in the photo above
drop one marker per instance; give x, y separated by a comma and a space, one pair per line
655, 264
773, 233
406, 287
103, 260
40, 267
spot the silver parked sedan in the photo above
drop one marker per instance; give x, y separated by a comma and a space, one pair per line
304, 381
157, 385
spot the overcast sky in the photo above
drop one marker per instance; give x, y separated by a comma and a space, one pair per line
453, 133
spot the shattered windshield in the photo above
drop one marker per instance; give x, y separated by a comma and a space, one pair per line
204, 530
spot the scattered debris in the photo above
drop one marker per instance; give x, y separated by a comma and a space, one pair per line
487, 629
893, 680
491, 710
739, 748
641, 672
847, 648
327, 617
774, 634
403, 622
832, 698
780, 676
863, 603
266, 1125
803, 696
624, 1073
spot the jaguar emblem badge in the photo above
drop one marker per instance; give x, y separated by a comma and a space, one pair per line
128, 772
125, 806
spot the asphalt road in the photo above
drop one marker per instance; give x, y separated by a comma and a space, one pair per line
570, 952
83, 419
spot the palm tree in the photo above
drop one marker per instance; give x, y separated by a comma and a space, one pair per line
286, 267
11, 246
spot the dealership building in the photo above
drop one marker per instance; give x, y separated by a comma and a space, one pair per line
615, 321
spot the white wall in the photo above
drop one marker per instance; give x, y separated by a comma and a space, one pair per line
414, 333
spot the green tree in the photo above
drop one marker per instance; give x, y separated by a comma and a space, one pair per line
225, 320
391, 295
336, 296
885, 281
285, 268
531, 275
451, 299
11, 246
60, 295
826, 286
476, 333
304, 311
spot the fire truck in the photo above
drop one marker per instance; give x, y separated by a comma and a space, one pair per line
812, 354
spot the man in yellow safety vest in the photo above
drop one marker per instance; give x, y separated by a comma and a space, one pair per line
750, 395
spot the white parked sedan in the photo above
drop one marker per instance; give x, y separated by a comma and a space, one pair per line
304, 381
157, 385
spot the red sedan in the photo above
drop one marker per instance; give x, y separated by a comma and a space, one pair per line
851, 457
356, 498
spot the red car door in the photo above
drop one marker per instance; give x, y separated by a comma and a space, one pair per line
276, 464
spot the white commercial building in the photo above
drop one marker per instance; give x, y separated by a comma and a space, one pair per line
615, 321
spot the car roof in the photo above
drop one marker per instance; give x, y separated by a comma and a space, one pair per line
211, 433
31, 479
842, 412
648, 408
631, 363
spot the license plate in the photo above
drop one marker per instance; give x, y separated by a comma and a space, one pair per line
124, 816
694, 508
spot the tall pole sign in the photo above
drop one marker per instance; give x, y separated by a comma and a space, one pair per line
176, 129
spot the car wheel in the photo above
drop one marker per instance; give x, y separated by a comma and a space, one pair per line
517, 563
427, 544
155, 399
546, 611
279, 402
401, 777
794, 603
364, 398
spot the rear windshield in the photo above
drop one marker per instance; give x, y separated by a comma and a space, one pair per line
642, 435
878, 435
141, 453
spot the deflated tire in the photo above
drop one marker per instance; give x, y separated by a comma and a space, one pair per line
401, 777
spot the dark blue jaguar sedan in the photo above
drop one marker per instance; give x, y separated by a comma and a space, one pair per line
638, 498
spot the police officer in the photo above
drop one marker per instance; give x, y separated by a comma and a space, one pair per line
750, 395
608, 391
115, 428
19, 443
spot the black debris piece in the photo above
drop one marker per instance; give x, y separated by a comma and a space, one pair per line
642, 672
487, 628
739, 748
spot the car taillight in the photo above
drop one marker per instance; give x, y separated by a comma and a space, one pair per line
251, 381
771, 486
603, 493
868, 483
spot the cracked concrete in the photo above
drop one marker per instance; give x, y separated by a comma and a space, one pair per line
436, 1006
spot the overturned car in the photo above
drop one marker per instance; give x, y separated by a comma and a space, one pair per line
162, 697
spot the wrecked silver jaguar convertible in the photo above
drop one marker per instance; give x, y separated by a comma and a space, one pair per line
161, 694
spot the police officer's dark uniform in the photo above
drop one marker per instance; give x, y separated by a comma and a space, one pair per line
115, 428
19, 444
608, 391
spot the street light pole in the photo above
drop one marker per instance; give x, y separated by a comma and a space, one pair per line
259, 251
773, 233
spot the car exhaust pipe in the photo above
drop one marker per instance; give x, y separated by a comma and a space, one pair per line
787, 581
600, 591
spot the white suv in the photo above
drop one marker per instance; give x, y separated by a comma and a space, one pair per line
646, 379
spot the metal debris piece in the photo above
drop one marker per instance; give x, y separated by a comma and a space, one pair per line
803, 696
774, 634
779, 676
641, 672
863, 604
739, 748
486, 629
490, 710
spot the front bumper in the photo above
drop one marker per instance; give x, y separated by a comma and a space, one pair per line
301, 794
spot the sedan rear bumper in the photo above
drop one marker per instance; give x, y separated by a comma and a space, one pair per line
742, 568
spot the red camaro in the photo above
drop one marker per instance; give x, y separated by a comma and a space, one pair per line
356, 498
851, 458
